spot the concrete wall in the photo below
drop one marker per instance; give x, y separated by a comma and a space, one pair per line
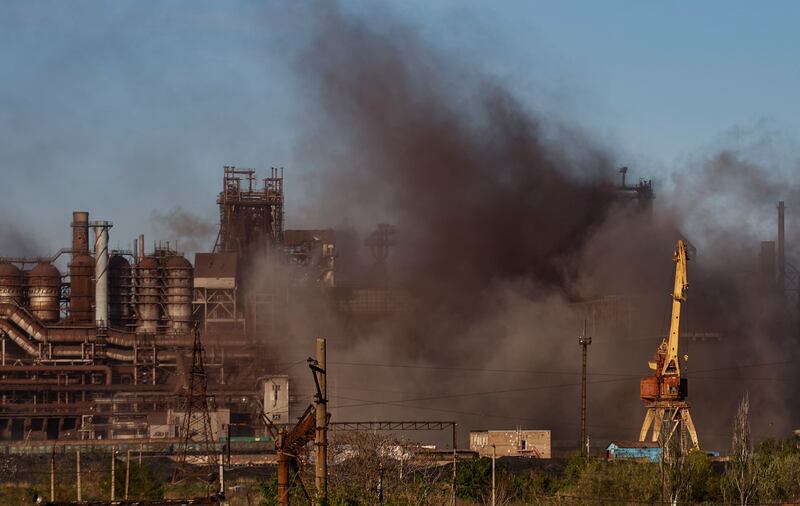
220, 419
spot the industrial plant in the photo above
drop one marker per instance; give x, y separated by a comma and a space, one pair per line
103, 350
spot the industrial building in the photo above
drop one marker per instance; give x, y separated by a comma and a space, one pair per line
511, 443
101, 351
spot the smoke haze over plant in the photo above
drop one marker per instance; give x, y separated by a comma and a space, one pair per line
503, 205
506, 220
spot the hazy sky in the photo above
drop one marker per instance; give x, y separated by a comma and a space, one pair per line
129, 108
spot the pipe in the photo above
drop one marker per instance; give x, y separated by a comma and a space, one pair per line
57, 369
20, 340
101, 272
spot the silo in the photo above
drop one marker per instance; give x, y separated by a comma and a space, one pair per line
119, 291
10, 283
179, 283
44, 292
81, 295
148, 295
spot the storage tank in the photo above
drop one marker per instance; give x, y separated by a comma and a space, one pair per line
119, 291
10, 283
81, 295
179, 283
44, 292
148, 295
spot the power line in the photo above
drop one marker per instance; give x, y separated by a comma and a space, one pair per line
543, 372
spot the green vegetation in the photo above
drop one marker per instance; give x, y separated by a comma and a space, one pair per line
693, 479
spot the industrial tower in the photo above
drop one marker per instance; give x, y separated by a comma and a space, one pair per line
664, 393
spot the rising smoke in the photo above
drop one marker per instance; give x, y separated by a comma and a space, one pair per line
192, 232
506, 221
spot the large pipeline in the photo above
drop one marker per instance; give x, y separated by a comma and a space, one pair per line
106, 370
27, 332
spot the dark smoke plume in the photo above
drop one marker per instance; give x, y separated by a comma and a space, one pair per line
192, 232
506, 223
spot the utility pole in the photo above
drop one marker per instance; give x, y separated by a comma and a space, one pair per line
53, 475
221, 473
78, 473
584, 341
494, 482
283, 471
113, 473
127, 473
453, 478
321, 421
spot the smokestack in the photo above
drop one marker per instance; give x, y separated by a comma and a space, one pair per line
141, 247
101, 272
781, 248
80, 233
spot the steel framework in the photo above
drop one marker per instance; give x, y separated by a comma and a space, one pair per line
197, 455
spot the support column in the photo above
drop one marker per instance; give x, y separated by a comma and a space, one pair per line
321, 433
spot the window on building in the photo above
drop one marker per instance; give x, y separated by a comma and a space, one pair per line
275, 391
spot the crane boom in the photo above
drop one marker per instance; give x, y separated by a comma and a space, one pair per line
671, 363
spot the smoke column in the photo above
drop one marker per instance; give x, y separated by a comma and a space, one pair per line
506, 222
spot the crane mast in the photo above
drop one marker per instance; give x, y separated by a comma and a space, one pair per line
671, 365
664, 393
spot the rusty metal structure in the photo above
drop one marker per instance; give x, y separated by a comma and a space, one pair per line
196, 428
103, 350
250, 215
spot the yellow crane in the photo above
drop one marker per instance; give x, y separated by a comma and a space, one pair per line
664, 393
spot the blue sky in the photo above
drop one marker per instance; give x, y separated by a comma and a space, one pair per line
126, 108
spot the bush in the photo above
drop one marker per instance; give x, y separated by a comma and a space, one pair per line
144, 484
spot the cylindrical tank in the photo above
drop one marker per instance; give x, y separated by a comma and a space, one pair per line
81, 296
44, 292
10, 283
119, 291
148, 284
179, 283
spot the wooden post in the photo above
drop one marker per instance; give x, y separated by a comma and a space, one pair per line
127, 473
78, 474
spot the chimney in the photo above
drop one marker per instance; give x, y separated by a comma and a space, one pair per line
101, 272
80, 233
